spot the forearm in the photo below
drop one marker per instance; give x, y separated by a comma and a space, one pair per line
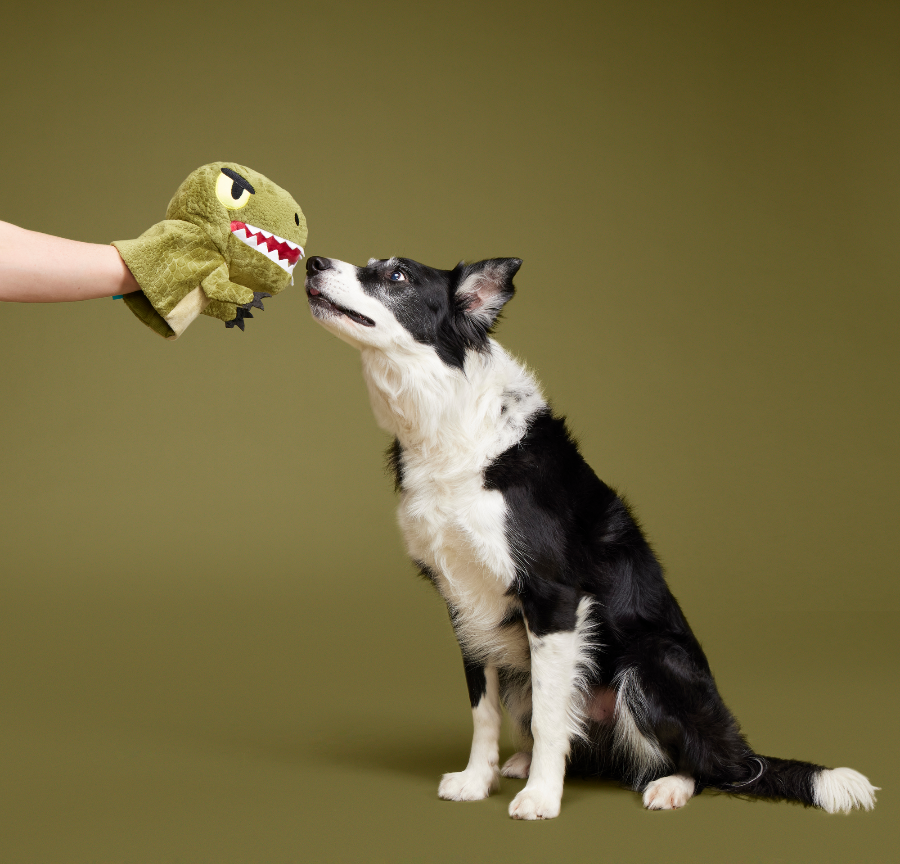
40, 268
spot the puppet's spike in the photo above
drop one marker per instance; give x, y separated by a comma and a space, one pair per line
243, 310
256, 302
237, 321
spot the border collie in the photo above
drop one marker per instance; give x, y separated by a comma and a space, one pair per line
557, 601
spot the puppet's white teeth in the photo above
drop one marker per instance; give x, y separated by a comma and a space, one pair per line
252, 229
256, 238
273, 256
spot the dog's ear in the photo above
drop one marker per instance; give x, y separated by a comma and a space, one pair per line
484, 288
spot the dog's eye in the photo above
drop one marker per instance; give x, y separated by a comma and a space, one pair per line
397, 276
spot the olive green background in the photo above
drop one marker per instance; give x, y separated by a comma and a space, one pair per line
212, 647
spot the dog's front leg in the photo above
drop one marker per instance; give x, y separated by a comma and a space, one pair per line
481, 776
554, 694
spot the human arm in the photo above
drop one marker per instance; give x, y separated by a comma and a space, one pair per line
41, 268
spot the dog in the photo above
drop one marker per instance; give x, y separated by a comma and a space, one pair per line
559, 605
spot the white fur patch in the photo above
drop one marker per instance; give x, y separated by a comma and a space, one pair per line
840, 790
669, 793
560, 665
640, 753
481, 776
451, 424
565, 662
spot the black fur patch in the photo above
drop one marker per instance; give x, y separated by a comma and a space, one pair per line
475, 680
579, 538
427, 573
394, 464
548, 607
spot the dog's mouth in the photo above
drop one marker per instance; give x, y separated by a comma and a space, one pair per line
319, 302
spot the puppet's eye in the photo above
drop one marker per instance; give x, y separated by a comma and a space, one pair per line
233, 190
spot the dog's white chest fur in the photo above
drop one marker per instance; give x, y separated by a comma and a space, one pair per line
453, 525
458, 530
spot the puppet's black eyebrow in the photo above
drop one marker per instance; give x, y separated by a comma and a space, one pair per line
233, 175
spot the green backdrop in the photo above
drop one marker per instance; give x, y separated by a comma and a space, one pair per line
212, 647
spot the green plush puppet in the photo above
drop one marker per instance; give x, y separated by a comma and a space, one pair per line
230, 238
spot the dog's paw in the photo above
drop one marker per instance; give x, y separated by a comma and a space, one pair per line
536, 802
518, 765
669, 793
469, 785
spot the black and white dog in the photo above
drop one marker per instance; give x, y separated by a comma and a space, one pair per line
558, 603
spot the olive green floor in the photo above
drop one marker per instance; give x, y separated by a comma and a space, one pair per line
246, 722
212, 648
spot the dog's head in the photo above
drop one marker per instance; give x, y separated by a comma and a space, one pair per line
395, 302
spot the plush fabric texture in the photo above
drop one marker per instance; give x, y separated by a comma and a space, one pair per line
229, 231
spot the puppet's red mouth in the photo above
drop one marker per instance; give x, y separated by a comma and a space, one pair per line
284, 253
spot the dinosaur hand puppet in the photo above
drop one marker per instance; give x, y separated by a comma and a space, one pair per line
230, 238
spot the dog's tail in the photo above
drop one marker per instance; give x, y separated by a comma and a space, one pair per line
834, 790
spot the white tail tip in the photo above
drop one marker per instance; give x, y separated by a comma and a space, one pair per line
840, 790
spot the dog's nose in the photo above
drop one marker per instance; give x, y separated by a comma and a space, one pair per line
317, 265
